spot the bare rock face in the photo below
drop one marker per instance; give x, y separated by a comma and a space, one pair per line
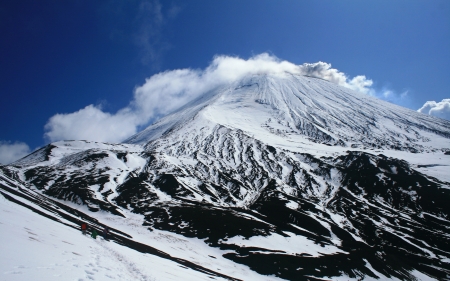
293, 176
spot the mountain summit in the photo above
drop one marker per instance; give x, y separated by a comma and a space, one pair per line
287, 108
293, 176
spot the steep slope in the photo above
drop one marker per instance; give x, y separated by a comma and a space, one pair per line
41, 240
292, 176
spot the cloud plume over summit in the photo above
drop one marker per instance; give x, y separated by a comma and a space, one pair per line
324, 71
167, 91
439, 109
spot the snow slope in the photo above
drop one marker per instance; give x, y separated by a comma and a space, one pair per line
302, 114
38, 244
36, 248
286, 108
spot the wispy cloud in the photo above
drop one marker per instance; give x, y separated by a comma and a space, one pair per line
439, 109
148, 35
400, 98
142, 23
167, 91
91, 123
10, 152
173, 11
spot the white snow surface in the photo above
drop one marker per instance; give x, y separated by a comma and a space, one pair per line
36, 248
292, 244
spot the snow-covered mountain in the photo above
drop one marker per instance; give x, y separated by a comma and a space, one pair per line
290, 176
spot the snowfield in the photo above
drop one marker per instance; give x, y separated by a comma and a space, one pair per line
36, 248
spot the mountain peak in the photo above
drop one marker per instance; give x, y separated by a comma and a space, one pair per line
284, 108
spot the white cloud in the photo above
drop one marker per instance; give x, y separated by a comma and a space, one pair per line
390, 95
323, 70
167, 91
159, 95
438, 109
91, 123
10, 152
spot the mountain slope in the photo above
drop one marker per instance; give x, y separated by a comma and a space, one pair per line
287, 107
292, 176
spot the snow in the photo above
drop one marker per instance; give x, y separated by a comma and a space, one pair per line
135, 162
23, 231
72, 256
434, 164
378, 274
199, 252
421, 276
36, 248
293, 244
292, 205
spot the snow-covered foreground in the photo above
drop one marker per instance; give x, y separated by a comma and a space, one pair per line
192, 249
36, 248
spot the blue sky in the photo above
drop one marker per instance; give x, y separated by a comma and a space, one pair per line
59, 57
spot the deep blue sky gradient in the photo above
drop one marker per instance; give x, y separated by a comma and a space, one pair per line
60, 56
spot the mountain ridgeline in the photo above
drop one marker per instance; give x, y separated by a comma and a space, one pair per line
352, 184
